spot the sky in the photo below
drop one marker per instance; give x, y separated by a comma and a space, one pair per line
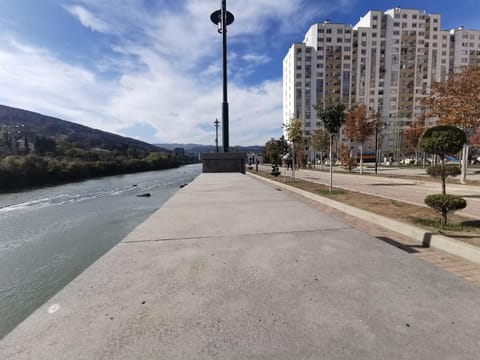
152, 69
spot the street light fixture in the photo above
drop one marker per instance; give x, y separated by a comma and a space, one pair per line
222, 18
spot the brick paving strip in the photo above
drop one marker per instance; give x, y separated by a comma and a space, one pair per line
453, 264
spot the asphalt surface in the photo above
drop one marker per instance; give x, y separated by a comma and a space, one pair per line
233, 268
398, 187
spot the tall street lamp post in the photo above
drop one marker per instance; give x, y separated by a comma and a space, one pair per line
222, 18
216, 124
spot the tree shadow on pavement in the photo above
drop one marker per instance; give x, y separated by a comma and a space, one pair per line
411, 249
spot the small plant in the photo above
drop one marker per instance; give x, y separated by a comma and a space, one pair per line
275, 172
333, 192
443, 171
445, 204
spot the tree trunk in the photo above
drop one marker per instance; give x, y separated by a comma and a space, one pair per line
293, 161
463, 176
331, 163
361, 158
444, 219
443, 177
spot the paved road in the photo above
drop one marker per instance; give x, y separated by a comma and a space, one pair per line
232, 268
413, 191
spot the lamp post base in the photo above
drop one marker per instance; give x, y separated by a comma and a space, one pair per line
224, 162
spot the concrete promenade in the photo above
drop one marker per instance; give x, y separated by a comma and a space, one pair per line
233, 268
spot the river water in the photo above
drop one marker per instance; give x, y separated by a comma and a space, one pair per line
48, 236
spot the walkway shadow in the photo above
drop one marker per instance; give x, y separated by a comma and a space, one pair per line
471, 223
393, 184
411, 249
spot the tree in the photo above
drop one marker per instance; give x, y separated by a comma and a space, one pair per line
413, 134
475, 138
358, 128
274, 150
295, 134
333, 115
346, 159
457, 102
445, 204
443, 172
44, 145
320, 142
442, 140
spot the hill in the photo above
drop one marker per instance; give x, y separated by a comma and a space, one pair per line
30, 124
198, 149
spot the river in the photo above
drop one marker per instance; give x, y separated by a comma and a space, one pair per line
48, 236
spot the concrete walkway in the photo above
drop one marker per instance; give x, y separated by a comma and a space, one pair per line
232, 268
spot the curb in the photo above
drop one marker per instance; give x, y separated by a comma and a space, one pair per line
428, 239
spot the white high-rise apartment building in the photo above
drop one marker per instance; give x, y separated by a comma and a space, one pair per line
387, 61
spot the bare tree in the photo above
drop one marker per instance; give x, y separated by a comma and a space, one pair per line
320, 143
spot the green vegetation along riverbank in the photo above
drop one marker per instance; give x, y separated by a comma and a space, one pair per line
21, 172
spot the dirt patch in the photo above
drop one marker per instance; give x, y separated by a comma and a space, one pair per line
464, 229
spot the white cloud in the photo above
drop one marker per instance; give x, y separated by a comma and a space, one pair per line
170, 65
256, 59
87, 18
36, 80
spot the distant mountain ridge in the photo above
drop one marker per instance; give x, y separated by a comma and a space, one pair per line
198, 148
35, 124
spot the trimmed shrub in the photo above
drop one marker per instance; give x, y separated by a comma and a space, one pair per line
443, 171
445, 204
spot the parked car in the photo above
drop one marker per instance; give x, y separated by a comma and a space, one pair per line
407, 161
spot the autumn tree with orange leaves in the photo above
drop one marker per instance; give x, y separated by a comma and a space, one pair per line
359, 127
475, 138
457, 102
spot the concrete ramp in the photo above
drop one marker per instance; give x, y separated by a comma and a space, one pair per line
232, 268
